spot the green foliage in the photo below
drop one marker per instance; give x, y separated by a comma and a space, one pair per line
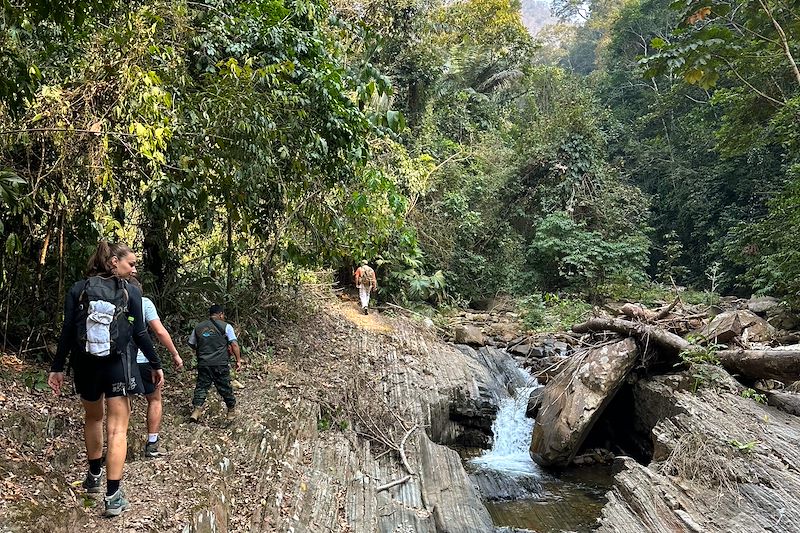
702, 92
744, 447
701, 355
702, 362
755, 396
564, 253
767, 251
670, 268
35, 380
551, 312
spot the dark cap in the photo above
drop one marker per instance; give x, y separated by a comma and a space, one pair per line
216, 309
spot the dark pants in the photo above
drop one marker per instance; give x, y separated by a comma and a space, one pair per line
220, 376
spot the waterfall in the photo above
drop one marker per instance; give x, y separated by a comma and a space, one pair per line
512, 435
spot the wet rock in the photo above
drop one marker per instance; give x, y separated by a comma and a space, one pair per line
470, 335
475, 415
546, 368
594, 457
496, 486
534, 402
561, 348
521, 349
761, 304
574, 400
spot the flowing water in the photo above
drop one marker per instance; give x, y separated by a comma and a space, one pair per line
526, 495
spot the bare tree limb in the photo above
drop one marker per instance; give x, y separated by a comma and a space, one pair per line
660, 336
663, 313
392, 484
403, 451
784, 40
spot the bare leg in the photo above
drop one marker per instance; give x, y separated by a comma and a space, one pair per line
154, 411
119, 412
93, 428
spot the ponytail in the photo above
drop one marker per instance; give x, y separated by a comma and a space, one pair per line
100, 261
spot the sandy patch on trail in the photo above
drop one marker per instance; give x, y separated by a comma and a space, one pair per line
372, 322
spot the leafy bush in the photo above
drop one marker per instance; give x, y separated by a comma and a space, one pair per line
563, 253
551, 312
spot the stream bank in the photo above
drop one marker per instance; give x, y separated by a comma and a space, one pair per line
305, 447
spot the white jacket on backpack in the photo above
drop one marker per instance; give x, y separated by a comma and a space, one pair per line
98, 336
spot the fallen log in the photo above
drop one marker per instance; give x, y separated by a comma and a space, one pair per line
667, 310
638, 311
643, 332
785, 401
783, 365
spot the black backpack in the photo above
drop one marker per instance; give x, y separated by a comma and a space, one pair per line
113, 290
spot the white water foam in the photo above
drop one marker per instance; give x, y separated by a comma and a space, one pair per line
512, 436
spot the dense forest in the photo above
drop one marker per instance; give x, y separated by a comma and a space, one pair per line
243, 146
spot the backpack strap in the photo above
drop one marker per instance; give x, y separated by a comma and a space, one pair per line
221, 331
82, 294
123, 284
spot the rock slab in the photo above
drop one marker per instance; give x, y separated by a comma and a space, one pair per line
722, 463
574, 400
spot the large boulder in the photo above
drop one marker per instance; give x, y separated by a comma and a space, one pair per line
471, 335
573, 401
762, 304
722, 463
781, 317
726, 326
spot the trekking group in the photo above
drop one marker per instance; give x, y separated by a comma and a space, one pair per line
104, 342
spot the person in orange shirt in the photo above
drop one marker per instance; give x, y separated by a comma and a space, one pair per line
366, 283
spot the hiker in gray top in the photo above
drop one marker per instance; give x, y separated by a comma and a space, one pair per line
214, 342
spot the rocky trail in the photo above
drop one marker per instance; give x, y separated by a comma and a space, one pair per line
290, 462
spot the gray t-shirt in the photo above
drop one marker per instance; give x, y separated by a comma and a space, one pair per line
150, 314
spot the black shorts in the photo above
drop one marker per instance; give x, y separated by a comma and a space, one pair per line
95, 378
147, 378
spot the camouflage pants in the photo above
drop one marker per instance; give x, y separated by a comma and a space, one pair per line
220, 376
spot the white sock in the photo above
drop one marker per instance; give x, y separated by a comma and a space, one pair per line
152, 437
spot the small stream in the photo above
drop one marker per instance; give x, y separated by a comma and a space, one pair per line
520, 493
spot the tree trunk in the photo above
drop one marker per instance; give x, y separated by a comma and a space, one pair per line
783, 365
643, 332
229, 258
156, 253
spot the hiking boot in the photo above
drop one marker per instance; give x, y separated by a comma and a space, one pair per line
231, 416
92, 483
152, 449
195, 416
116, 503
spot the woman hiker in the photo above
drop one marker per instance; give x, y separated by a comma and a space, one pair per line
101, 315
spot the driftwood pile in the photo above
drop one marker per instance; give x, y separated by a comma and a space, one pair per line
739, 339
